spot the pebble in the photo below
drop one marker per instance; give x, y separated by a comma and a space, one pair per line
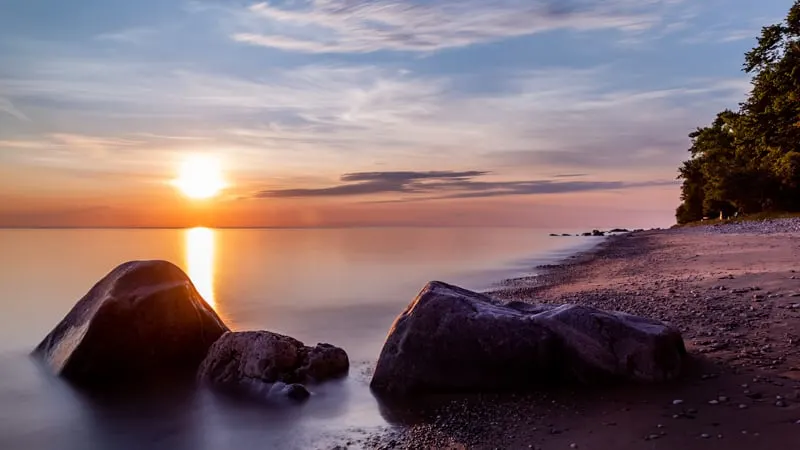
677, 402
713, 402
705, 436
780, 404
742, 406
652, 437
723, 398
573, 445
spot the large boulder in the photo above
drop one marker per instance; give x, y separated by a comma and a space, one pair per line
144, 319
452, 339
248, 358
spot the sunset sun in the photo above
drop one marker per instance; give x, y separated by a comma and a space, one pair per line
200, 177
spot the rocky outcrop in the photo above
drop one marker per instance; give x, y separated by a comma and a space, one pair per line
143, 319
242, 359
451, 339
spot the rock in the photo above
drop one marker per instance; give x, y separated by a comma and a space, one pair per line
677, 402
144, 319
553, 235
619, 230
297, 392
452, 339
243, 358
566, 234
587, 234
598, 233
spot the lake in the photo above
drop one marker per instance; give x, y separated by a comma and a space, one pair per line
341, 286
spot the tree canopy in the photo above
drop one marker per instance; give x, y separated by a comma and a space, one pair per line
748, 161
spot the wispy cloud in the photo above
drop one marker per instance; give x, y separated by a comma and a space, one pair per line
7, 107
343, 26
430, 185
137, 35
555, 117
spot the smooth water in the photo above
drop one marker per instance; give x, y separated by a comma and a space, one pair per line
342, 286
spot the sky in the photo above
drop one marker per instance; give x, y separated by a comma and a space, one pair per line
542, 113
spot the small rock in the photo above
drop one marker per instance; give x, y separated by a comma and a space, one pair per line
652, 437
713, 402
780, 404
742, 406
677, 402
719, 436
573, 445
723, 398
659, 426
297, 392
705, 436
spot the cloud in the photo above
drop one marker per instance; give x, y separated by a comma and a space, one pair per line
7, 107
555, 118
137, 35
570, 175
346, 26
447, 185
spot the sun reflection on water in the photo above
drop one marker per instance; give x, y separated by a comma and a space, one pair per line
200, 261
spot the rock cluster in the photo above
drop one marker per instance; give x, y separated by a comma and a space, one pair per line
452, 339
145, 320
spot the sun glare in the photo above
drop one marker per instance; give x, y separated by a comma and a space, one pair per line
200, 177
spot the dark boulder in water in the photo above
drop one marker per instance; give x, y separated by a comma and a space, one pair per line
145, 319
253, 358
451, 339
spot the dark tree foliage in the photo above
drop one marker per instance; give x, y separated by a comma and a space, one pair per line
749, 161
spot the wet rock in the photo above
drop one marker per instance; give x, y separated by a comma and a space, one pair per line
452, 339
240, 358
297, 392
145, 319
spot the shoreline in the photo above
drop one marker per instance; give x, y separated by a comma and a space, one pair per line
734, 296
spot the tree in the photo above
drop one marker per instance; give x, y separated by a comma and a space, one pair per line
749, 161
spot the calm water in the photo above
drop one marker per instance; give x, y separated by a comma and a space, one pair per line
342, 286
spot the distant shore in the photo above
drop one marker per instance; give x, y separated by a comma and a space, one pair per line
733, 292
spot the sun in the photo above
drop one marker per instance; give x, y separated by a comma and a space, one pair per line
200, 177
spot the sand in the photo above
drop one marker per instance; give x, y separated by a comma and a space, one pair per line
736, 299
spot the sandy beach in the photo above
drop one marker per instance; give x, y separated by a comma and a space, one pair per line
734, 293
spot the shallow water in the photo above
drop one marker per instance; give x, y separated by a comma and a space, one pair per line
342, 286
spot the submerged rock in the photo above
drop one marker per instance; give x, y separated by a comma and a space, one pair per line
452, 339
239, 359
143, 319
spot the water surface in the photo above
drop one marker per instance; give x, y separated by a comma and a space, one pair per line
342, 286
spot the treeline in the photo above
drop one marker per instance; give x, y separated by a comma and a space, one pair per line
748, 161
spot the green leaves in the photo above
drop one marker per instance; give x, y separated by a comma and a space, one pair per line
749, 161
